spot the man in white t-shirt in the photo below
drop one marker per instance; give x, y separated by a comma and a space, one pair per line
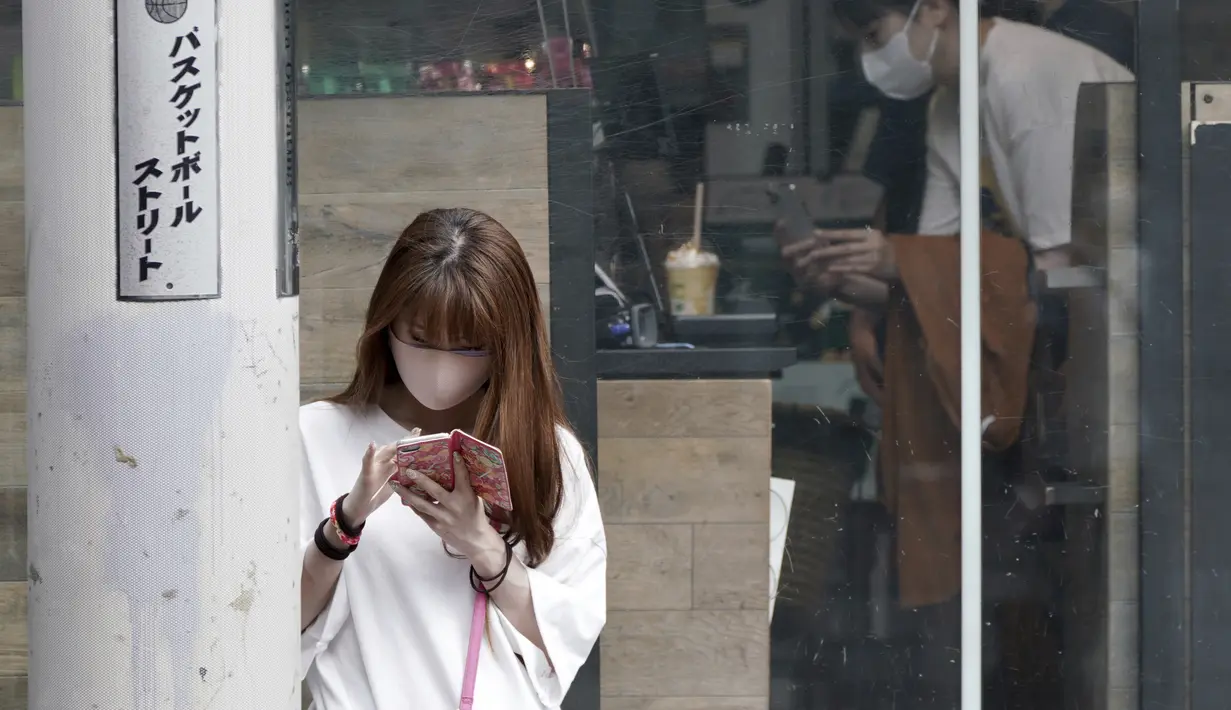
1029, 81
1092, 22
1029, 77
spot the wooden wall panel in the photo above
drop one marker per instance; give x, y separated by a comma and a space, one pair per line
13, 534
13, 693
424, 143
13, 638
683, 476
713, 409
650, 566
654, 480
730, 566
683, 653
711, 703
367, 167
12, 438
12, 249
13, 155
12, 305
12, 344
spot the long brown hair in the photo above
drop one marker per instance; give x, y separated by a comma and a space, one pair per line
465, 276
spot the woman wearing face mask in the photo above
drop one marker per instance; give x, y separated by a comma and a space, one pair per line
454, 339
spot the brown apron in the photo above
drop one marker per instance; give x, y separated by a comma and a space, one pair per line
920, 442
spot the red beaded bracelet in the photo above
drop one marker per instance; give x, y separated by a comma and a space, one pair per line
337, 527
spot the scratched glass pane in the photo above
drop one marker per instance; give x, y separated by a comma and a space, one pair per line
767, 372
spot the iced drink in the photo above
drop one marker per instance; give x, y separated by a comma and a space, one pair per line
692, 279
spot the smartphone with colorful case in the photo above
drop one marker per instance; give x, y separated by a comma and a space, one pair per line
432, 456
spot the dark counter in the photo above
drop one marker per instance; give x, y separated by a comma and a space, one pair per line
707, 363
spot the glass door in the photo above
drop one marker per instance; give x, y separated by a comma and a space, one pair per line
1104, 561
1183, 615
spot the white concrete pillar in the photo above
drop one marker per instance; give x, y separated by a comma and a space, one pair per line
163, 445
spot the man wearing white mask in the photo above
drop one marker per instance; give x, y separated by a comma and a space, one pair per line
1029, 80
1031, 77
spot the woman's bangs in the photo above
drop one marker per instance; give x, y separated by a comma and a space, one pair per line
446, 310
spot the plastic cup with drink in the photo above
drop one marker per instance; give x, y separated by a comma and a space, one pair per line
692, 279
692, 273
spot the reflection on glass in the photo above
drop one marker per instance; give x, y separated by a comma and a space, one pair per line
370, 47
842, 116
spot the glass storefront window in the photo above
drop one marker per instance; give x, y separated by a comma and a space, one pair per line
846, 113
766, 368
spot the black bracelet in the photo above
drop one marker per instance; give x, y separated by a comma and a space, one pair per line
344, 524
479, 584
328, 550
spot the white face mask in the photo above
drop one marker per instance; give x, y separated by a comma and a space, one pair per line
439, 379
894, 69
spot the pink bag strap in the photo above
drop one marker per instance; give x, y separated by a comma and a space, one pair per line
478, 621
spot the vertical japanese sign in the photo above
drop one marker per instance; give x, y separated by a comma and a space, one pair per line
167, 239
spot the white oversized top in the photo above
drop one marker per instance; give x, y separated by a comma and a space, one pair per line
395, 634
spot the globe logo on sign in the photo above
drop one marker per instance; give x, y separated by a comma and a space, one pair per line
166, 11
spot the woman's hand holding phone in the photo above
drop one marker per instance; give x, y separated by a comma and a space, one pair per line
371, 489
458, 517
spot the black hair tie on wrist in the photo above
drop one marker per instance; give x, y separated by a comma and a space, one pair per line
328, 550
481, 585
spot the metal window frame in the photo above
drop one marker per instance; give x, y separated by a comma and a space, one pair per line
571, 318
1209, 173
1163, 615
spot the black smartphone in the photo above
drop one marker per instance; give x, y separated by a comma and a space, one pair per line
793, 212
